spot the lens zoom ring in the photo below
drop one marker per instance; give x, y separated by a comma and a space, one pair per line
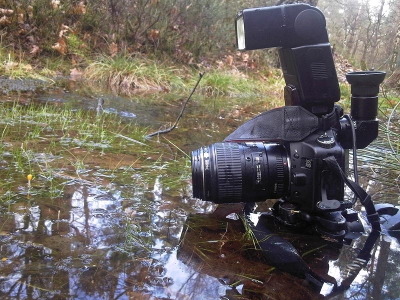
229, 172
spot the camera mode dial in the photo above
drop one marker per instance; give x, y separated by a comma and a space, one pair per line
326, 141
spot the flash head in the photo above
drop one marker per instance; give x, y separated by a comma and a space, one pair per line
299, 32
286, 26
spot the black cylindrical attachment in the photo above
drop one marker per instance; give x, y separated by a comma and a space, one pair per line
364, 108
364, 94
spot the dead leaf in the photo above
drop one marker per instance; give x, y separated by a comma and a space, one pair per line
35, 50
229, 60
138, 296
4, 20
55, 4
7, 12
60, 46
30, 12
154, 35
9, 65
113, 48
245, 58
80, 8
75, 74
65, 27
253, 64
63, 31
21, 18
27, 67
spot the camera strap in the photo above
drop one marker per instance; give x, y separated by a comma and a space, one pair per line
365, 198
284, 124
364, 255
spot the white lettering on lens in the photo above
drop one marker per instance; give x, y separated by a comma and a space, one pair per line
258, 174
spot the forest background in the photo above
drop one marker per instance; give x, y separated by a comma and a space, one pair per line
68, 36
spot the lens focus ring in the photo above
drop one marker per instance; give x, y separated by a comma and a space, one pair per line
280, 177
229, 172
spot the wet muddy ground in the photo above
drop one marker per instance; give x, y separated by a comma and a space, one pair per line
108, 214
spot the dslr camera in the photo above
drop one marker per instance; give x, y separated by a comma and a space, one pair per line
296, 153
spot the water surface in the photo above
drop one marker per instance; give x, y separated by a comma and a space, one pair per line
116, 220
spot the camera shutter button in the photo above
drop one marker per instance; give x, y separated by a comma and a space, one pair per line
325, 141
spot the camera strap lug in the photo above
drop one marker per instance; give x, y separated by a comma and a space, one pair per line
330, 120
325, 204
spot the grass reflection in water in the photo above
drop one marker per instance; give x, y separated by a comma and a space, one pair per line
81, 203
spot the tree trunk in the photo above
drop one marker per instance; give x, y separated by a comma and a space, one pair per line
395, 54
353, 28
376, 33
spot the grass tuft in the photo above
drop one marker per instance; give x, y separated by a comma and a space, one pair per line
126, 74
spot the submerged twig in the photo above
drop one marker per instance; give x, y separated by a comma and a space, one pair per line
130, 139
183, 152
180, 114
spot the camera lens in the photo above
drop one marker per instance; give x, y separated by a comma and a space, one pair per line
239, 172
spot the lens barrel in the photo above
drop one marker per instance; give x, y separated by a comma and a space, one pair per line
240, 172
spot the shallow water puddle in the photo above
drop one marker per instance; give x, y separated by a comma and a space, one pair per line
108, 214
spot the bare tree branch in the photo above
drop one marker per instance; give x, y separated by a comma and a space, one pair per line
180, 114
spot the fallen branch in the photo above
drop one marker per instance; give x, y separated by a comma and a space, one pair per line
180, 114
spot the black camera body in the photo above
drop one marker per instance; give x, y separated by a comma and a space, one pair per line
311, 185
287, 153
